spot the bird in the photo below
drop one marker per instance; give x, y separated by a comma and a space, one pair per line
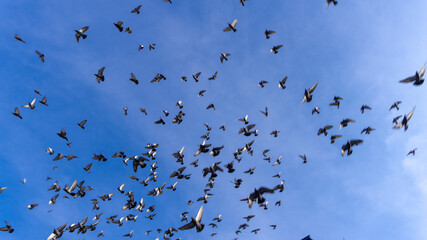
81, 33
275, 49
18, 38
231, 26
16, 113
211, 106
275, 133
395, 105
128, 30
213, 76
125, 109
224, 57
417, 78
348, 146
396, 119
265, 113
63, 134
315, 110
268, 33
262, 83
304, 158
195, 222
345, 122
119, 26
335, 2
30, 105
82, 124
283, 82
405, 120
151, 46
100, 75
256, 196
412, 152
133, 79
250, 171
200, 94
362, 109
136, 10
334, 137
143, 110
367, 130
87, 168
307, 93
41, 56
324, 130
32, 206
196, 76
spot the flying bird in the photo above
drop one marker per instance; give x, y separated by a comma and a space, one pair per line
18, 38
405, 120
335, 2
81, 33
307, 93
275, 49
136, 10
100, 75
41, 56
195, 222
268, 33
231, 26
417, 78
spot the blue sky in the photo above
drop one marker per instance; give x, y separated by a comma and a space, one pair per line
356, 50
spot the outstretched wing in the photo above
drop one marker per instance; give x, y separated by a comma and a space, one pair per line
199, 214
187, 226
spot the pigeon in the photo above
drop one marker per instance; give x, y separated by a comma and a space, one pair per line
265, 113
30, 105
283, 82
140, 47
362, 109
129, 234
335, 2
128, 30
333, 137
348, 146
125, 109
87, 168
43, 101
275, 49
345, 122
32, 206
82, 124
307, 93
405, 120
231, 26
18, 38
268, 33
412, 152
151, 46
133, 79
417, 78
63, 134
395, 105
41, 56
256, 196
195, 222
81, 33
367, 130
224, 57
213, 76
304, 158
16, 113
100, 75
324, 130
396, 119
262, 83
136, 10
196, 76
315, 110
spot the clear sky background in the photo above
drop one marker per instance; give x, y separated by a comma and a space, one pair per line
358, 50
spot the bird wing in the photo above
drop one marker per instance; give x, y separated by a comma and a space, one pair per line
101, 71
422, 71
310, 90
187, 226
262, 190
407, 80
234, 23
410, 115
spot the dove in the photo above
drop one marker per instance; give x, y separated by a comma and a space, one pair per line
231, 26
195, 222
81, 33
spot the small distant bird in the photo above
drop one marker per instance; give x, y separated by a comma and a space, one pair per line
37, 91
213, 76
211, 106
275, 49
143, 110
128, 30
348, 146
362, 109
129, 234
31, 206
275, 133
307, 93
140, 47
100, 75
17, 37
201, 93
168, 1
395, 105
412, 152
324, 130
41, 55
87, 168
335, 2
265, 112
405, 120
231, 26
262, 83
243, 2
63, 134
8, 227
224, 57
283, 82
304, 158
345, 122
126, 111
196, 76
195, 222
268, 33
82, 124
80, 33
133, 79
136, 10
396, 119
333, 137
315, 110
119, 26
16, 113
151, 46
30, 105
417, 78
367, 130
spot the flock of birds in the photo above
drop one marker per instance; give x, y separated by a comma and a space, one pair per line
79, 189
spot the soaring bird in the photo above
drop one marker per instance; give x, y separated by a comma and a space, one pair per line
348, 146
268, 33
18, 38
224, 56
136, 10
275, 49
405, 121
63, 134
81, 33
16, 113
195, 222
345, 122
82, 124
324, 130
30, 105
412, 152
283, 82
119, 26
231, 26
307, 93
256, 196
362, 109
41, 56
100, 75
417, 78
133, 79
395, 105
367, 130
